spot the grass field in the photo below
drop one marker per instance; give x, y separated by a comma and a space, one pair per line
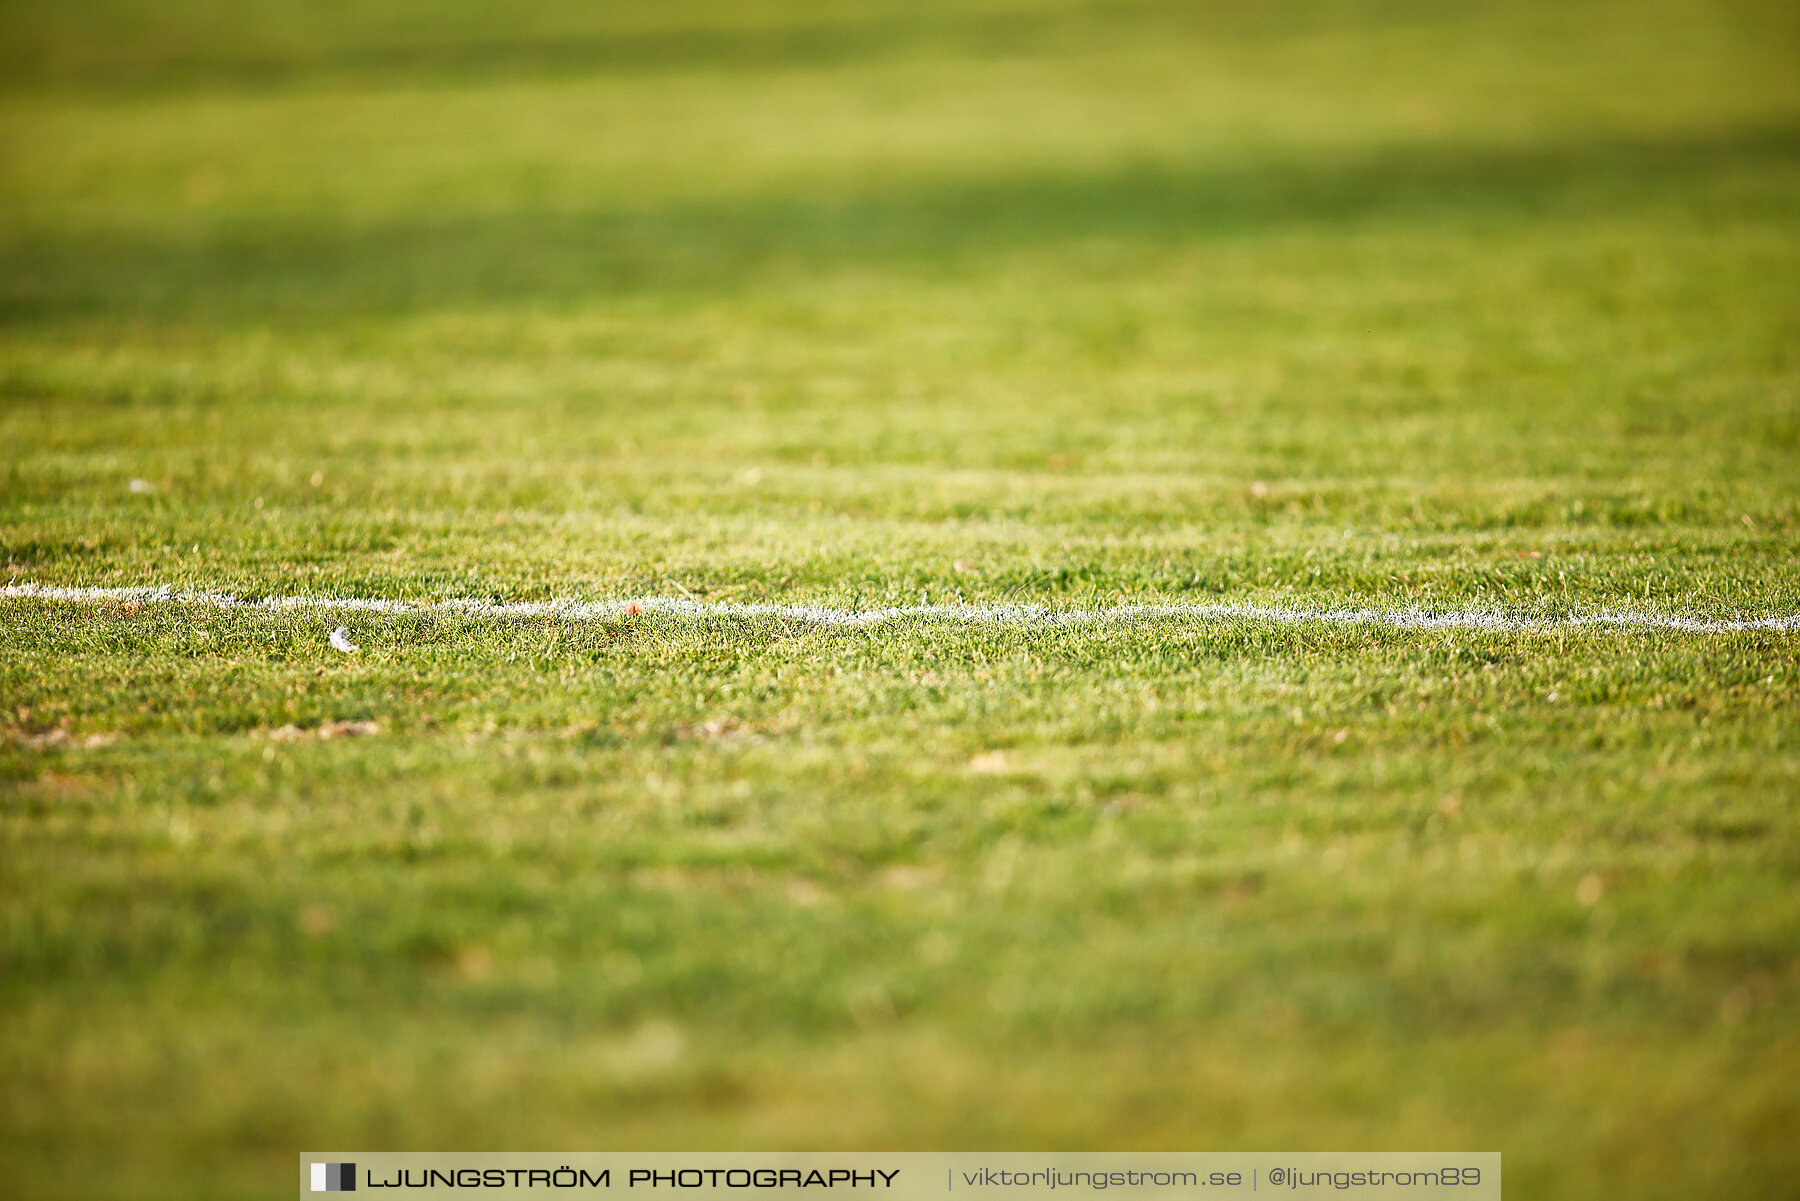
1380, 303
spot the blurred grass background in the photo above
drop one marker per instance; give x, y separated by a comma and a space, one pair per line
1372, 302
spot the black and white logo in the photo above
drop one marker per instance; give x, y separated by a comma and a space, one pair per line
334, 1178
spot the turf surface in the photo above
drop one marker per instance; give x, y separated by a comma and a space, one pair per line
1376, 303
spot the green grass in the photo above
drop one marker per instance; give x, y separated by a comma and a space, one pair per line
1379, 303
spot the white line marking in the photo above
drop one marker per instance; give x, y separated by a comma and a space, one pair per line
1006, 615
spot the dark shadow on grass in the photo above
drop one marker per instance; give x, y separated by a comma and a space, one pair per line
303, 271
120, 67
140, 47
